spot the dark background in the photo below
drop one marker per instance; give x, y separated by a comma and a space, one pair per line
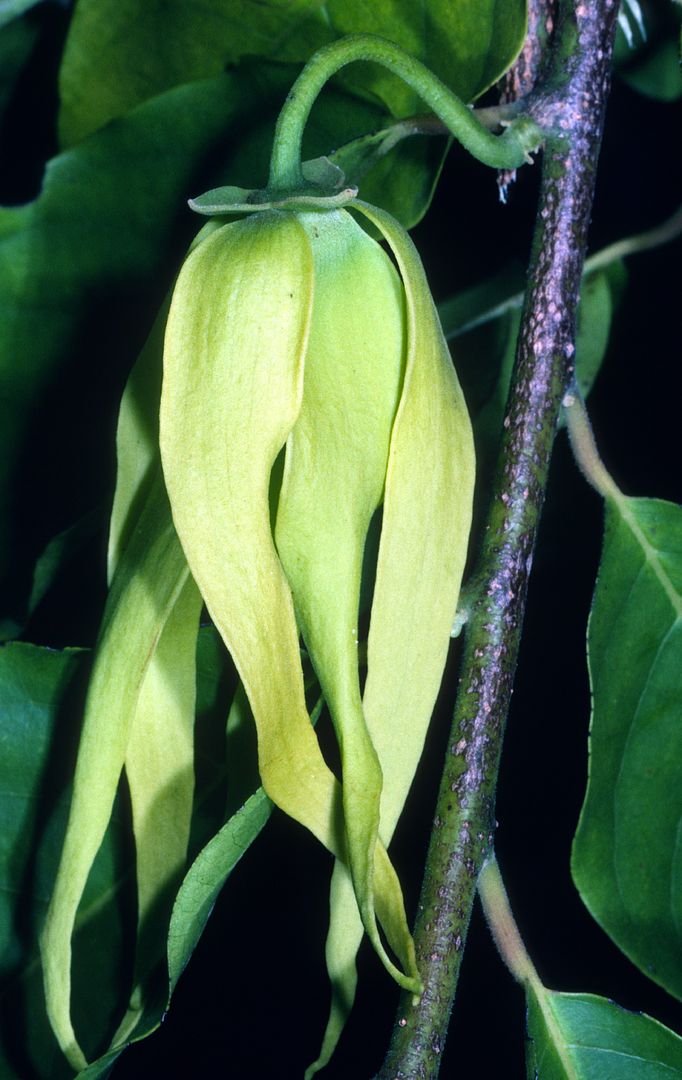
253, 1001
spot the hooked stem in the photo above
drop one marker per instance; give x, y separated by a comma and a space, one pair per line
506, 151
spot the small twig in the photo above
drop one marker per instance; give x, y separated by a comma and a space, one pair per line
665, 233
464, 823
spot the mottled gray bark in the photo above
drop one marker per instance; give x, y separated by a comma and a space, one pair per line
570, 106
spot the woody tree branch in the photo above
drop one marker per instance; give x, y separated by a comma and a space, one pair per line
570, 108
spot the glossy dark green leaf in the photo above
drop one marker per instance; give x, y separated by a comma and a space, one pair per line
627, 859
40, 691
584, 1037
82, 270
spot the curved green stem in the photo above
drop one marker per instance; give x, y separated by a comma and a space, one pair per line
506, 151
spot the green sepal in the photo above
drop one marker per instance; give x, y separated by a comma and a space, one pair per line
230, 200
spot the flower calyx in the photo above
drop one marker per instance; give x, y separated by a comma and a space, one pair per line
324, 188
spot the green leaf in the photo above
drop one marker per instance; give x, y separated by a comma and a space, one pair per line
657, 73
484, 302
584, 1037
39, 689
598, 294
12, 9
401, 181
468, 44
206, 877
79, 267
113, 61
652, 65
59, 553
16, 43
627, 861
32, 684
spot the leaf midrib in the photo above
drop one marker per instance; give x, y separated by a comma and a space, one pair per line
623, 505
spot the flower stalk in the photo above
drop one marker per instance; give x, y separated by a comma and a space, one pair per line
506, 151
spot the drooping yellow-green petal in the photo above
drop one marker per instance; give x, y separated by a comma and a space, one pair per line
426, 523
159, 762
333, 482
137, 431
343, 941
159, 767
233, 376
424, 538
151, 577
137, 441
233, 380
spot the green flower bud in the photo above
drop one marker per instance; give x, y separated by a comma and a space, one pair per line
293, 328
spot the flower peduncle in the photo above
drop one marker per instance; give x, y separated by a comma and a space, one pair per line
506, 151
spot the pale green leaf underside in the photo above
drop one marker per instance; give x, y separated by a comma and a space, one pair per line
627, 856
584, 1037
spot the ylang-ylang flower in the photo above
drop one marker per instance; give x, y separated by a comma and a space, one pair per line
293, 332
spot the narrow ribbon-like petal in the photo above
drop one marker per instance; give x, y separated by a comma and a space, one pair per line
159, 761
151, 577
426, 524
333, 482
